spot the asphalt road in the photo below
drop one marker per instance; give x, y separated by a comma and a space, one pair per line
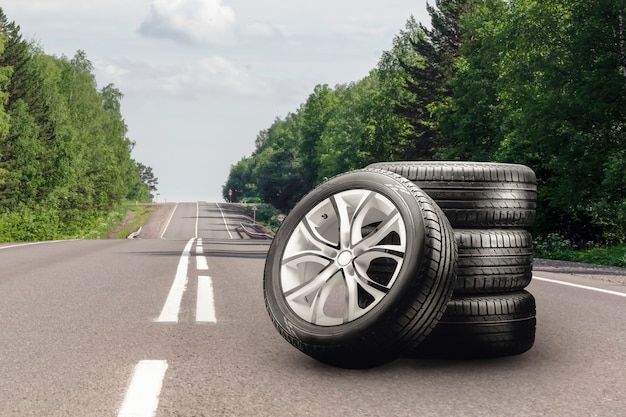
108, 328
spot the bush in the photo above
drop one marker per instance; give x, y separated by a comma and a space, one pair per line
551, 244
555, 246
266, 214
23, 224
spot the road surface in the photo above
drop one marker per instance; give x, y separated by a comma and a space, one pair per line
174, 324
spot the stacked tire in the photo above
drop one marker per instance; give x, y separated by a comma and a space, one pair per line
425, 259
488, 205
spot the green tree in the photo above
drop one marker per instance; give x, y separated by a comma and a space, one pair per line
278, 172
470, 120
316, 113
424, 58
240, 182
562, 95
5, 76
148, 179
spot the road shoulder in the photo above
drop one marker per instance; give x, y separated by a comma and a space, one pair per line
596, 272
156, 223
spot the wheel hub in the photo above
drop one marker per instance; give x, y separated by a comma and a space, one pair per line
345, 258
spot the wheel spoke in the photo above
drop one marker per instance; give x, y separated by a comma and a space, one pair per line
306, 245
392, 223
305, 297
310, 235
377, 292
364, 261
344, 224
352, 295
318, 316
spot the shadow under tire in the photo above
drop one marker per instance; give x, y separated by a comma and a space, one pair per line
475, 327
360, 270
475, 194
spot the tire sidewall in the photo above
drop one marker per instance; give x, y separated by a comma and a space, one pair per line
401, 294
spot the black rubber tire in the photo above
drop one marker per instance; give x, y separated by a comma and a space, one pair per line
475, 194
410, 307
482, 327
493, 260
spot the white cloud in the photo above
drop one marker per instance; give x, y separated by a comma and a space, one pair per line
208, 77
259, 32
200, 21
217, 75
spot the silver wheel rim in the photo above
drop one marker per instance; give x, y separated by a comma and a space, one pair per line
343, 257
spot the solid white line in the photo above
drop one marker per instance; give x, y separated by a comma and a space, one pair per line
205, 307
19, 245
168, 221
584, 287
225, 222
142, 397
169, 313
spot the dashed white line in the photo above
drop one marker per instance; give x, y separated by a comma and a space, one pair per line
142, 397
170, 310
197, 217
584, 287
201, 263
205, 306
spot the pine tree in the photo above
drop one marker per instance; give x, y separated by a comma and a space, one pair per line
430, 74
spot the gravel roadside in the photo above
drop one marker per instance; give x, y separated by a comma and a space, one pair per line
598, 272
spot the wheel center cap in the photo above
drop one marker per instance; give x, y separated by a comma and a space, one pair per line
344, 258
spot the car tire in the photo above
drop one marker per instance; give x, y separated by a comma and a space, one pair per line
360, 270
474, 327
493, 260
475, 194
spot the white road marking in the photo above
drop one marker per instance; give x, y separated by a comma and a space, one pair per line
205, 307
142, 397
35, 243
201, 263
197, 217
225, 221
170, 310
168, 222
584, 287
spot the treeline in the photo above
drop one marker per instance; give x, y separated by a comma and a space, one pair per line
65, 159
540, 83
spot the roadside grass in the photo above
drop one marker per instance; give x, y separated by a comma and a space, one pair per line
135, 217
611, 256
39, 224
118, 223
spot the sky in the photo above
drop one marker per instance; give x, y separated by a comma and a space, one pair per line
201, 78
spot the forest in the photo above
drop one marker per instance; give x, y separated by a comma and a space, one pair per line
65, 159
533, 82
